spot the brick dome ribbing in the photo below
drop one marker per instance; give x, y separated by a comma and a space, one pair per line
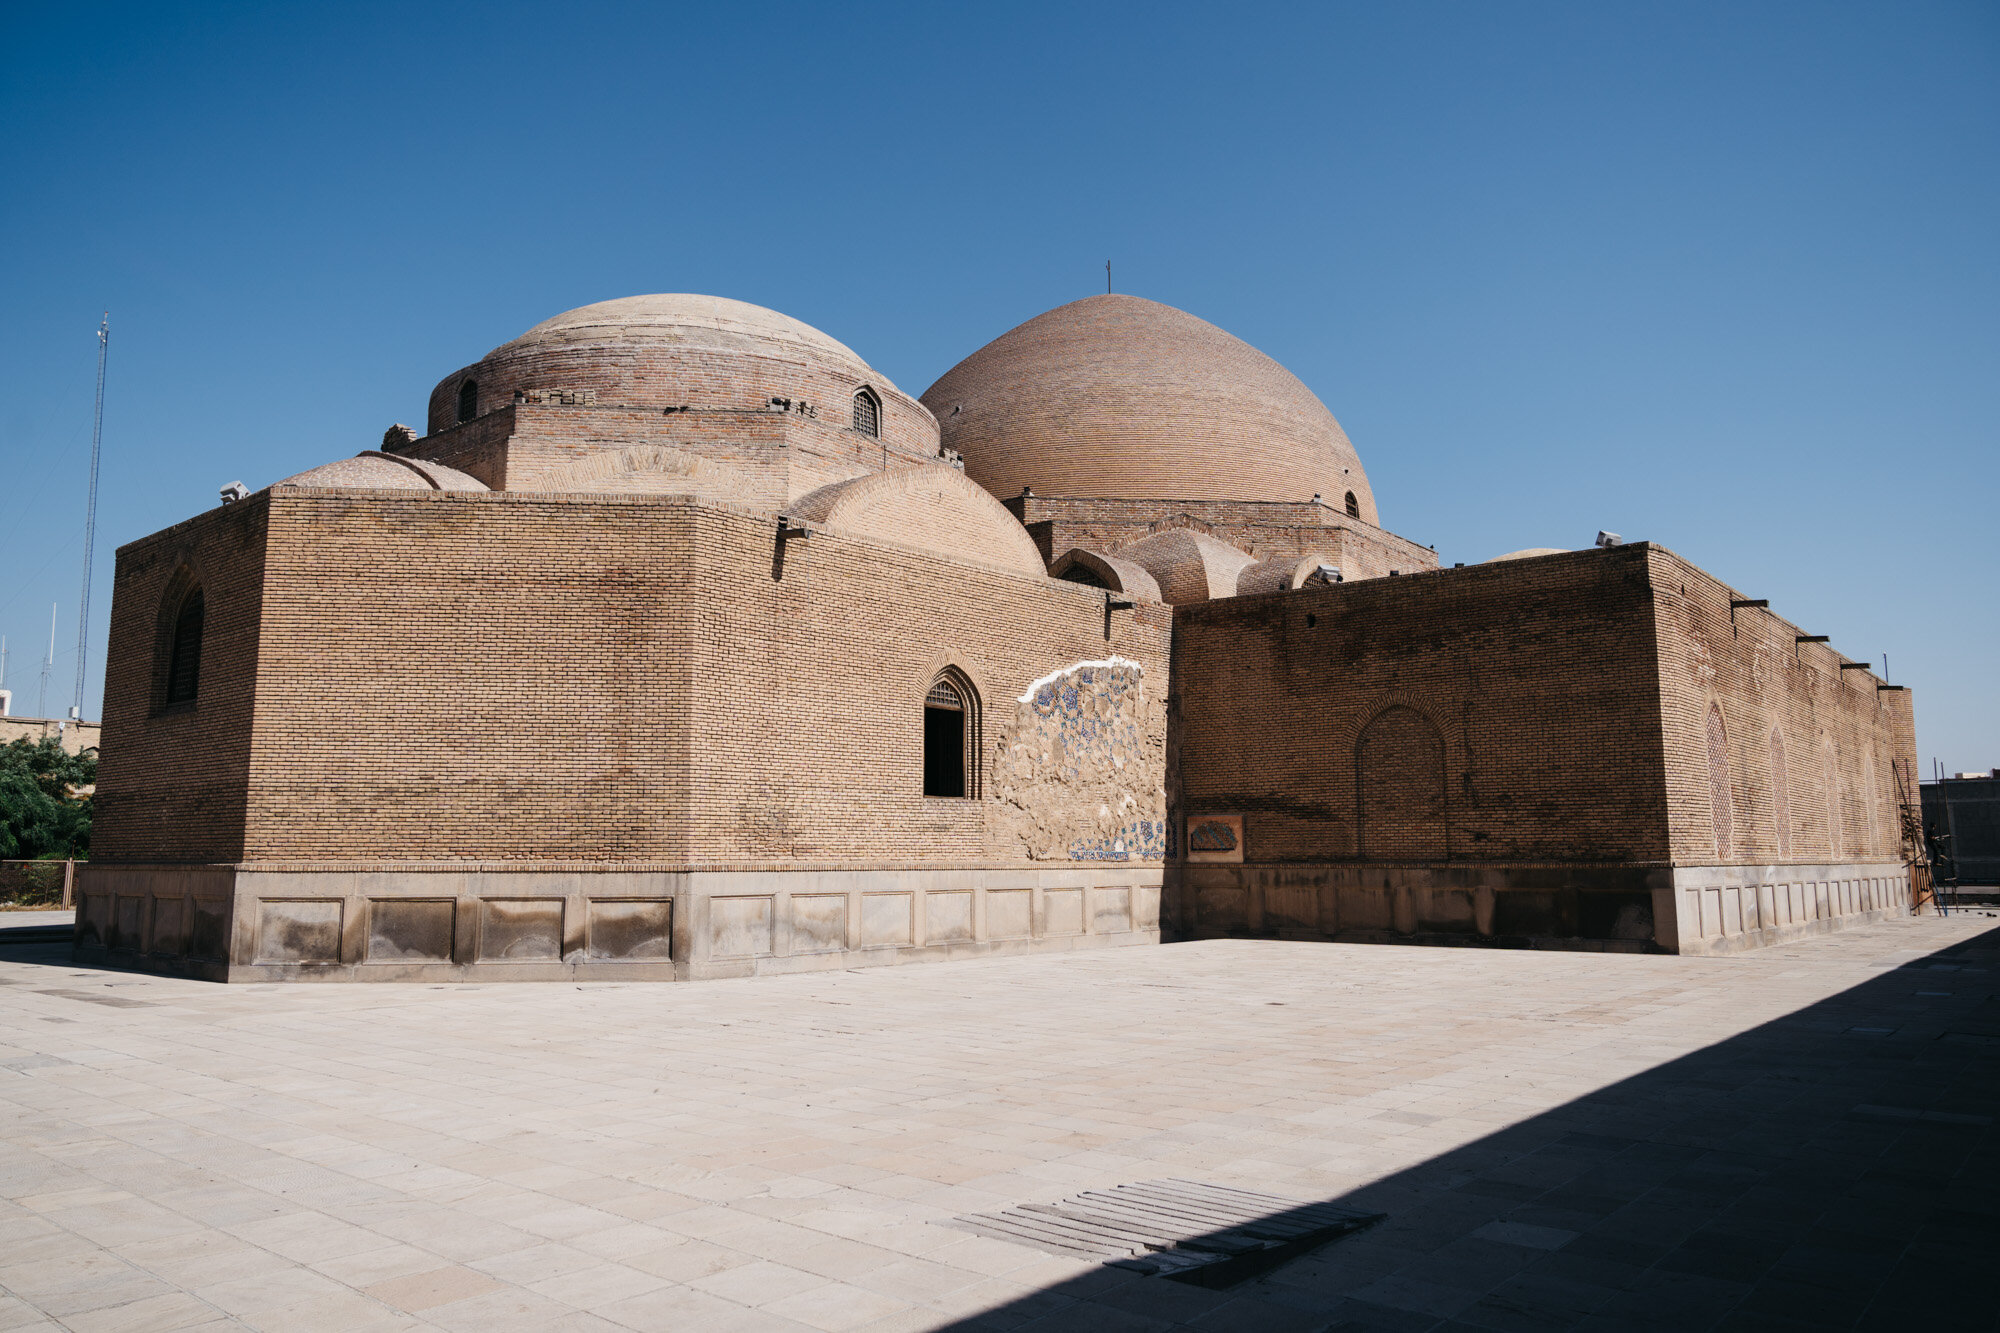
1120, 397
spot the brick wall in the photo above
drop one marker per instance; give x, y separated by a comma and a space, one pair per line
173, 783
507, 678
1497, 713
1843, 742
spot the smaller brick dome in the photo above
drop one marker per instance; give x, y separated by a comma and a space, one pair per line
674, 350
373, 471
710, 323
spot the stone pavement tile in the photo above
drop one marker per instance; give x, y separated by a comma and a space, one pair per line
688, 1260
155, 1314
378, 1265
1713, 1254
1247, 1314
199, 1258
124, 1222
1436, 1299
671, 1307
536, 1263
758, 1284
347, 1312
602, 1284
510, 1310
308, 1238
270, 1291
1471, 1262
1674, 1300
918, 1281
433, 1287
837, 1307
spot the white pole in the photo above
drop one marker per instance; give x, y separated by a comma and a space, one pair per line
48, 665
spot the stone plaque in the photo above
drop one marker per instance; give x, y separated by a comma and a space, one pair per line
520, 929
1110, 911
128, 924
739, 927
208, 934
410, 930
885, 919
819, 922
1009, 914
169, 927
1062, 910
298, 931
635, 930
947, 917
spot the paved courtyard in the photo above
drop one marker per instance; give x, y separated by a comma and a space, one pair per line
1797, 1138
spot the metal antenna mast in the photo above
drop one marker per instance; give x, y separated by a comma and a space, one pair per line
48, 665
90, 516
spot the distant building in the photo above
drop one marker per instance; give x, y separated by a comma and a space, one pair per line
684, 644
75, 737
1962, 819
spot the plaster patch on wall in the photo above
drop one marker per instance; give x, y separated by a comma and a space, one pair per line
1078, 772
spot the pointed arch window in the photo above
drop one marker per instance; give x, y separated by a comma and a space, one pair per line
1781, 795
867, 412
1353, 506
184, 652
951, 734
1721, 804
468, 400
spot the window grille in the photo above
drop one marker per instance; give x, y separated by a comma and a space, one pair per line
867, 413
1353, 506
943, 695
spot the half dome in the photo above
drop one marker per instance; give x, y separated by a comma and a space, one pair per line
1117, 397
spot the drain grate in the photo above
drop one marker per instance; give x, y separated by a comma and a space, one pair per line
1211, 1235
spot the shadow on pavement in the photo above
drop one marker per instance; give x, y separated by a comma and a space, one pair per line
1835, 1168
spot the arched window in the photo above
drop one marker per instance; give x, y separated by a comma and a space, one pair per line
1353, 506
950, 738
184, 654
468, 400
1721, 805
867, 412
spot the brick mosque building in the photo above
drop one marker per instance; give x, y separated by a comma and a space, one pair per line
684, 644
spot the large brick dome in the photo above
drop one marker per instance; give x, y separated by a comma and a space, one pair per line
707, 353
1122, 398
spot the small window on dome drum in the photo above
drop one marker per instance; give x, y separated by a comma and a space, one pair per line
468, 400
1353, 506
867, 413
184, 657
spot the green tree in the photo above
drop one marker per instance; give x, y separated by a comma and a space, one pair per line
39, 815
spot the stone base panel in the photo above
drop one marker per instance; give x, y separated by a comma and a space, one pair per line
226, 923
1730, 909
1632, 908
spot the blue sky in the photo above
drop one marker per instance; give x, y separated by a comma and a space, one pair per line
1719, 276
